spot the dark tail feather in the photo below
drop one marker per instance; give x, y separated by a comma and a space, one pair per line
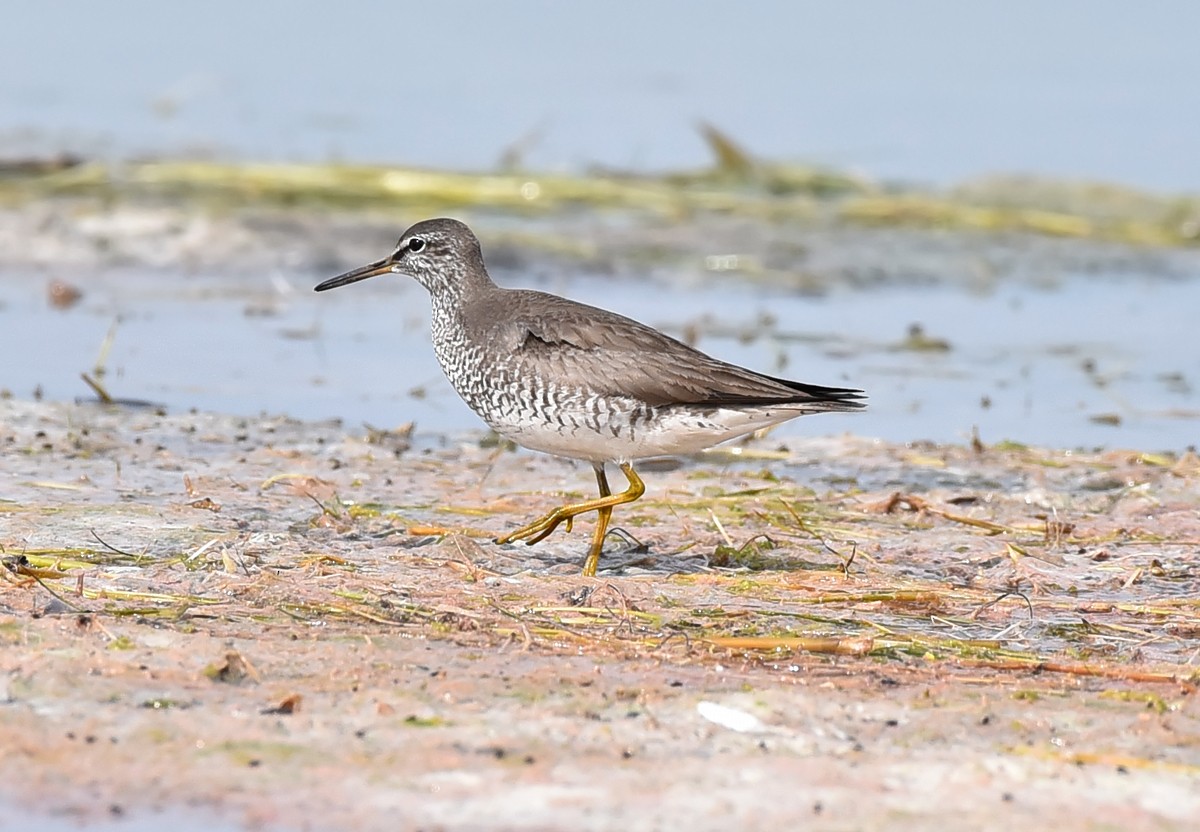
782, 391
827, 398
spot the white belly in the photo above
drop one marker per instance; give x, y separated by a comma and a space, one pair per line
672, 431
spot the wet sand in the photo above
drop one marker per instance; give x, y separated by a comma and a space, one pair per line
296, 625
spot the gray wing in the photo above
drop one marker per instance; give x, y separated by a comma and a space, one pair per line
560, 339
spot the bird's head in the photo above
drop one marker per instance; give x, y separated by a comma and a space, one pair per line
443, 255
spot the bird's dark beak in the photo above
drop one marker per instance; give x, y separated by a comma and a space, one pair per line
355, 275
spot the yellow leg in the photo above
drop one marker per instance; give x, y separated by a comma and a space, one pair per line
592, 562
603, 505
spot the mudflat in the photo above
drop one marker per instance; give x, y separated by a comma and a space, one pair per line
288, 624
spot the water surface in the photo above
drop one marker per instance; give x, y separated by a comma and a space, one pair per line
921, 90
1045, 366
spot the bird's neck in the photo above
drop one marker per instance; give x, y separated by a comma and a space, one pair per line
454, 312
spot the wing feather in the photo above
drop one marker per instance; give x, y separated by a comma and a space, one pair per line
560, 339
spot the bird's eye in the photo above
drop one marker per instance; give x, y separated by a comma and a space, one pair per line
416, 244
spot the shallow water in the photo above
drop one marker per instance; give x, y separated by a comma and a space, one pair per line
1050, 366
919, 91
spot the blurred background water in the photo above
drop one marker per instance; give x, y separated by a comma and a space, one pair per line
923, 90
928, 92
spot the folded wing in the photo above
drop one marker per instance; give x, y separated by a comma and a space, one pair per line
558, 338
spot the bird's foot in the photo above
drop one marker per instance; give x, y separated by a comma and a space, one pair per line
544, 526
603, 505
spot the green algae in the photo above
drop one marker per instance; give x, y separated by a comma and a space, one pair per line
735, 186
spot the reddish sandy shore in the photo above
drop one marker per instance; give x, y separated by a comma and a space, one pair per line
289, 625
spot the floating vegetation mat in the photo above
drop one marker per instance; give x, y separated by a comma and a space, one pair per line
738, 185
274, 596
